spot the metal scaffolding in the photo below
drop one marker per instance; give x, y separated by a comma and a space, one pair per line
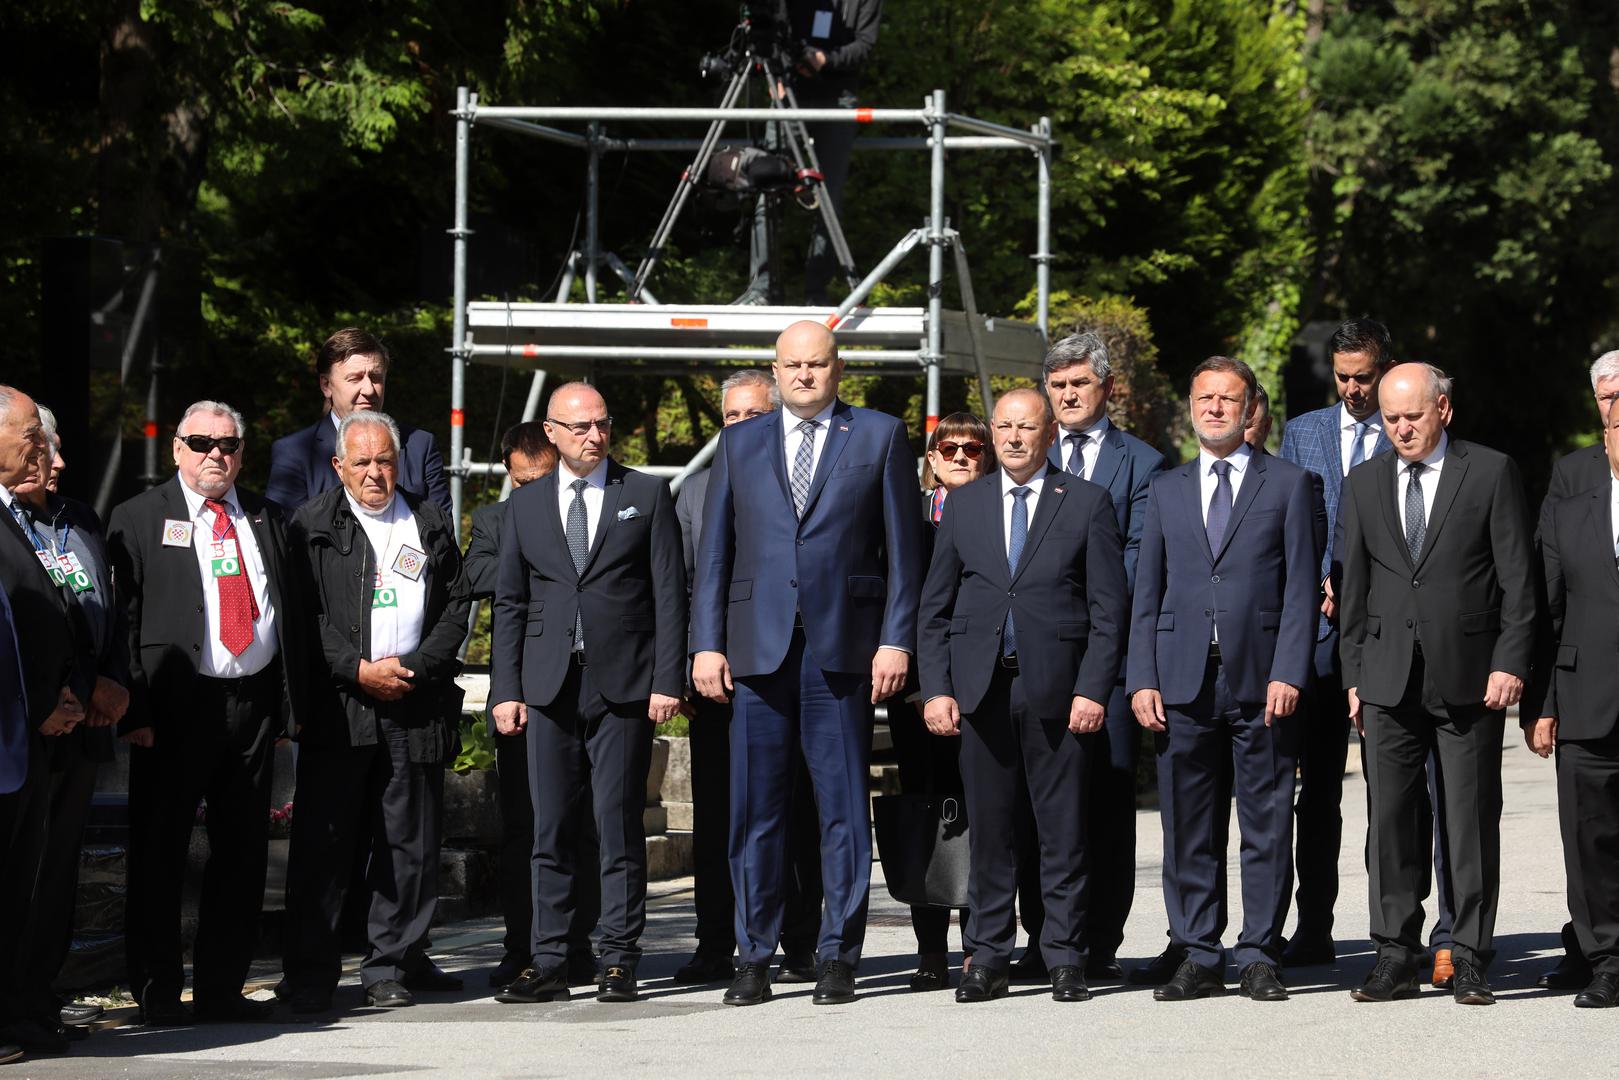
574, 338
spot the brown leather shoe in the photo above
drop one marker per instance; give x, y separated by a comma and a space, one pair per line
1443, 970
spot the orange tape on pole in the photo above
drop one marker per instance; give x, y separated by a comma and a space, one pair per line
832, 321
933, 422
459, 418
862, 116
531, 350
149, 429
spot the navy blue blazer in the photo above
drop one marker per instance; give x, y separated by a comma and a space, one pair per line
301, 466
1068, 596
855, 558
1125, 466
1261, 584
13, 705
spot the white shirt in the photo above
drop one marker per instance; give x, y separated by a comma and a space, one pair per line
1613, 514
216, 661
1089, 449
1034, 483
1239, 459
1346, 436
1432, 464
595, 492
398, 604
789, 423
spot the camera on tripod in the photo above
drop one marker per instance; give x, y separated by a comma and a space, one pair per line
764, 32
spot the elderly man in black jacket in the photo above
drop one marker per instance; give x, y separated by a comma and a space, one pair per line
391, 603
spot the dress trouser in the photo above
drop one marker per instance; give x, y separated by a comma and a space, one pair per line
215, 747
1588, 808
588, 757
22, 819
1006, 747
1216, 746
827, 716
1466, 740
1318, 808
346, 794
517, 858
929, 764
70, 788
711, 831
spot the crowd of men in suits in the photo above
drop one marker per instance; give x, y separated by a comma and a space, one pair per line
1063, 589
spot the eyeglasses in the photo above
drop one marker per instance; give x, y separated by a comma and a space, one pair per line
581, 429
973, 450
204, 444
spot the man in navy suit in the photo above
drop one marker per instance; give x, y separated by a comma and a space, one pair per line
1021, 637
805, 608
1220, 645
1078, 378
353, 367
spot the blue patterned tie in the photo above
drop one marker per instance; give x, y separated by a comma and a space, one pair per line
1357, 451
26, 522
1076, 453
579, 548
803, 465
1014, 552
1219, 506
1416, 527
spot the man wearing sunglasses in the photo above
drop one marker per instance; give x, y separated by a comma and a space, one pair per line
352, 366
216, 675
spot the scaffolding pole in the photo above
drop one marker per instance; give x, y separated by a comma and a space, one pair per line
1042, 255
933, 354
464, 103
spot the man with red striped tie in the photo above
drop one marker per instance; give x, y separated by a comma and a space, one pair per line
201, 571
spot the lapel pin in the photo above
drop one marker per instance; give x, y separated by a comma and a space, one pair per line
843, 427
1057, 489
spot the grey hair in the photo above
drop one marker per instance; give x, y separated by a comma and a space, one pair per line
217, 408
1082, 348
361, 418
47, 424
1606, 367
6, 394
752, 377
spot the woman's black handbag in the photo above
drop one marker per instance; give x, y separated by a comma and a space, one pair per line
922, 842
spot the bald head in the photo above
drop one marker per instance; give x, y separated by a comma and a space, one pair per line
1023, 428
1415, 400
22, 438
807, 368
578, 423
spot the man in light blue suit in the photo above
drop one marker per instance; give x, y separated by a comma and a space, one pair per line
809, 573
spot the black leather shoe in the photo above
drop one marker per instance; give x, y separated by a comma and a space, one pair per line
76, 1014
704, 968
165, 1012
1191, 980
1309, 951
836, 984
10, 1052
431, 977
618, 984
796, 968
1571, 973
750, 985
1260, 982
1160, 969
1389, 981
932, 973
1469, 985
1030, 967
982, 983
507, 970
1068, 984
582, 969
231, 1009
388, 994
534, 986
1603, 993
1103, 969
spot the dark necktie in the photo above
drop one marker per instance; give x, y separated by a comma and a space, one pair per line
803, 465
1357, 451
1416, 527
1076, 453
1219, 506
1014, 552
237, 606
579, 549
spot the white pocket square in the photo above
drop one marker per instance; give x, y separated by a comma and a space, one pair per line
628, 513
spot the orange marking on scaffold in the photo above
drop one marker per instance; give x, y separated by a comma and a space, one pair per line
933, 422
832, 321
531, 350
149, 429
862, 116
689, 324
458, 418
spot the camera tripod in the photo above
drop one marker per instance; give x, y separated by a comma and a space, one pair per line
746, 60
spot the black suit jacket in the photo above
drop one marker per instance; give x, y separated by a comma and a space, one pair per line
632, 594
52, 655
1581, 686
161, 590
1573, 474
482, 559
301, 465
1067, 596
1471, 591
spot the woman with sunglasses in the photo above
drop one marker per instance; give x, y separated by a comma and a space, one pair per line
958, 452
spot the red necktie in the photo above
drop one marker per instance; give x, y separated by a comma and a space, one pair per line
237, 607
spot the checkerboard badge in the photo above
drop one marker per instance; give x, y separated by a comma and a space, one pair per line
176, 533
409, 563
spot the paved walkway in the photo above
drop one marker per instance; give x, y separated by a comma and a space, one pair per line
679, 1032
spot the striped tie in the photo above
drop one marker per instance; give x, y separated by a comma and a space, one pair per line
578, 533
803, 465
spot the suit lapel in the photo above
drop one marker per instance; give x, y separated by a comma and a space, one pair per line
611, 498
1332, 455
322, 477
546, 487
774, 434
837, 437
1192, 489
1387, 480
1451, 478
1051, 497
1109, 458
1245, 498
1602, 525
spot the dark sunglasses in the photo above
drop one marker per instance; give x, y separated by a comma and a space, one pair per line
973, 450
204, 444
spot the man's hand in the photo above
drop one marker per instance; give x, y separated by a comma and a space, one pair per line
108, 703
661, 708
1503, 690
888, 668
1329, 603
1084, 715
1355, 710
711, 675
1280, 700
1148, 705
140, 737
385, 679
511, 717
65, 717
1541, 736
942, 716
